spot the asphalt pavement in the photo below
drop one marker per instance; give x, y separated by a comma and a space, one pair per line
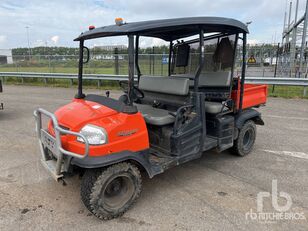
217, 192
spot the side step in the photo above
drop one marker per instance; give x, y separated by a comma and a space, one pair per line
50, 165
209, 143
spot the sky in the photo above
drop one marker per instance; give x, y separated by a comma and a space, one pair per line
58, 22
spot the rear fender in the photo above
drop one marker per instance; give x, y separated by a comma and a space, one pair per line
249, 114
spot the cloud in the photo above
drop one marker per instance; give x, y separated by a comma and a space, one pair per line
150, 42
55, 39
2, 38
252, 41
67, 19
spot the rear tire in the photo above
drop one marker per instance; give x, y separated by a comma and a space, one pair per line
243, 145
110, 192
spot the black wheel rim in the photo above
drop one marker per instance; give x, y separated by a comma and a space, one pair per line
117, 192
248, 139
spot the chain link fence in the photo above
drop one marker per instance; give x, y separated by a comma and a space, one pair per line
150, 64
274, 60
264, 60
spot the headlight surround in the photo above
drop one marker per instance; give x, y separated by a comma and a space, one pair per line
94, 134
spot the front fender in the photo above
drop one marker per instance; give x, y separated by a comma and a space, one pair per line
141, 157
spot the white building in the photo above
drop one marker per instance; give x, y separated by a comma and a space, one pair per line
6, 56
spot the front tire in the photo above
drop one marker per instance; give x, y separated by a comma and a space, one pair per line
243, 145
109, 193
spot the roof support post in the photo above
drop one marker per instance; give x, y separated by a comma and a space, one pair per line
80, 94
234, 59
201, 60
243, 72
137, 57
170, 57
131, 69
234, 56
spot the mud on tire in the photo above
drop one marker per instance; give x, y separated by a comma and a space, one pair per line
246, 139
108, 193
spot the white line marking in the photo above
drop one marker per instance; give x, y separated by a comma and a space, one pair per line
285, 117
301, 155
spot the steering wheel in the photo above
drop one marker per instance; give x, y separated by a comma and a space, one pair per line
137, 93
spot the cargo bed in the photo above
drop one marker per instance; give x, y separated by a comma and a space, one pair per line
254, 95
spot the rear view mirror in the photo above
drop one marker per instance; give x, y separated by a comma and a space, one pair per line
182, 55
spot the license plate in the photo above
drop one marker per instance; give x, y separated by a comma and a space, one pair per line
48, 141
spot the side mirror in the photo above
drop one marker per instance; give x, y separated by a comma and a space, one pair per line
88, 55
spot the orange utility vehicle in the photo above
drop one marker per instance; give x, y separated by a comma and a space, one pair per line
160, 121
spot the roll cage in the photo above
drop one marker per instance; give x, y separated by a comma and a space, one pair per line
170, 30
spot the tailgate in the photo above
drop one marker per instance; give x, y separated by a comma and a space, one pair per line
254, 95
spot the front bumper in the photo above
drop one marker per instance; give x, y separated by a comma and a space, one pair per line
54, 157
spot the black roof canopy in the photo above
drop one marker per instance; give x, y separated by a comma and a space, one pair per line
168, 29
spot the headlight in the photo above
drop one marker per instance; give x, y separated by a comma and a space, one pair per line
95, 135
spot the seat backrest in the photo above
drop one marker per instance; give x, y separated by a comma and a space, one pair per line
215, 79
208, 79
215, 85
172, 86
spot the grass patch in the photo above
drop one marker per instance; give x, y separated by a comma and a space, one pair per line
87, 70
66, 83
93, 67
287, 91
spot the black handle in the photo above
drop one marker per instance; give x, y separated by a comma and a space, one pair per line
179, 114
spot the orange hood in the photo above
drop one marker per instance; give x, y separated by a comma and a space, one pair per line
81, 112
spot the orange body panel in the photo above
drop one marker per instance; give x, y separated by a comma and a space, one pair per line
126, 132
254, 95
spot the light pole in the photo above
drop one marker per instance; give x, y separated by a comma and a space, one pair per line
29, 50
